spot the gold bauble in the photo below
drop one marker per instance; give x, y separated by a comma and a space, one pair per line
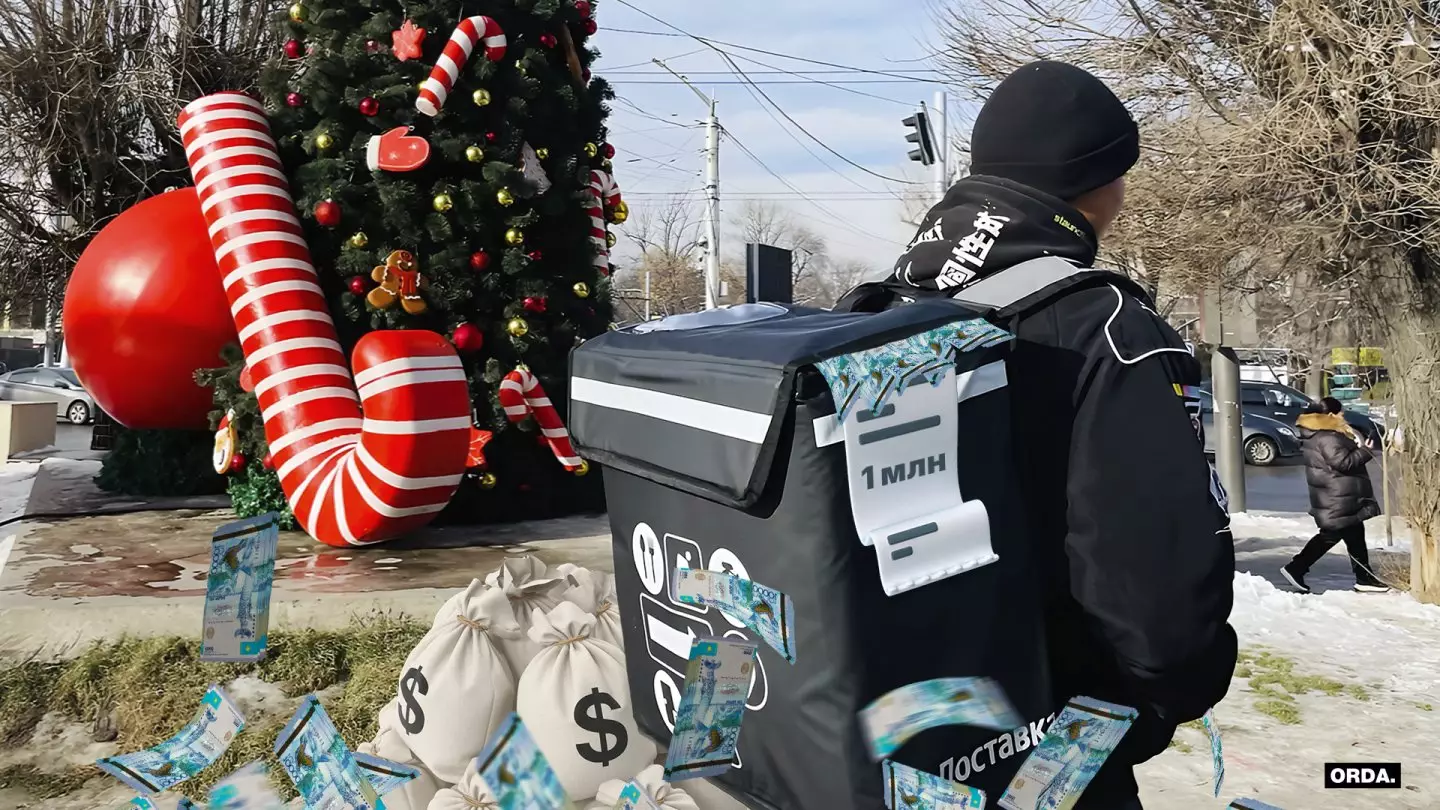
582, 290
515, 236
584, 467
504, 197
481, 97
488, 480
607, 165
610, 239
591, 150
474, 154
542, 153
522, 70
297, 13
443, 202
324, 141
517, 327
621, 212
359, 240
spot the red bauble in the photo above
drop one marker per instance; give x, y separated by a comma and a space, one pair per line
268, 462
536, 304
327, 213
138, 302
535, 255
585, 74
479, 260
357, 285
583, 7
295, 100
237, 462
548, 40
607, 150
591, 27
468, 338
369, 106
491, 137
294, 48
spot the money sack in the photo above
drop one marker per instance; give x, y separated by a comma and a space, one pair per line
651, 780
530, 587
388, 743
575, 699
470, 793
456, 687
594, 591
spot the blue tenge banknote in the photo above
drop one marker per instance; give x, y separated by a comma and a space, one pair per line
385, 775
633, 797
909, 789
237, 591
868, 378
900, 714
712, 704
189, 752
320, 764
518, 775
144, 803
1061, 766
1251, 804
1217, 756
764, 610
248, 788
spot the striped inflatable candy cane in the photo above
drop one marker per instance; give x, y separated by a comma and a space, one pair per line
603, 192
457, 52
522, 396
355, 469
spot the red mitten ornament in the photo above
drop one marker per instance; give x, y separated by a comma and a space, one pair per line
397, 151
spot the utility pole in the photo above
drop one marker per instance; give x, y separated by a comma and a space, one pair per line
712, 192
941, 141
1225, 386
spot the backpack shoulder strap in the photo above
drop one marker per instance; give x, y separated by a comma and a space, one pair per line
1016, 290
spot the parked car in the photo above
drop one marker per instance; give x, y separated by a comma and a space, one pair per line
57, 385
1264, 440
1284, 403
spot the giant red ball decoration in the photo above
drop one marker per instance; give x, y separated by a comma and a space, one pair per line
137, 301
469, 338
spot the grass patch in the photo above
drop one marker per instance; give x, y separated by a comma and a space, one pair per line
1425, 707
1181, 746
1276, 684
44, 784
154, 688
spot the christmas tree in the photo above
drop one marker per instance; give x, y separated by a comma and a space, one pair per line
471, 216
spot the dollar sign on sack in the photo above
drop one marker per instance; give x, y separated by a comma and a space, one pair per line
590, 715
411, 717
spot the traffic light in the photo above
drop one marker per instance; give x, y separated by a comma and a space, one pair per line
920, 122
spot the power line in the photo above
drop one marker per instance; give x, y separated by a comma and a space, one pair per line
778, 81
773, 69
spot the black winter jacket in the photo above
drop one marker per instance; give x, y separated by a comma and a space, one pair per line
1134, 542
1341, 494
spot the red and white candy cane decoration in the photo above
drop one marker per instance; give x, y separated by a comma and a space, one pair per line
457, 52
356, 469
522, 396
603, 192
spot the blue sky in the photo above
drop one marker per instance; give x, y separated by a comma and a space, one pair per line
655, 127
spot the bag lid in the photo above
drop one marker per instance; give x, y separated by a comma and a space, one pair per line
698, 402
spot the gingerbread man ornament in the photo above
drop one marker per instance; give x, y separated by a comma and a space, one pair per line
400, 280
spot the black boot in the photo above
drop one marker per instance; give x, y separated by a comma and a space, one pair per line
1294, 576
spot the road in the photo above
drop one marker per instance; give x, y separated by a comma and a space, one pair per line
1281, 488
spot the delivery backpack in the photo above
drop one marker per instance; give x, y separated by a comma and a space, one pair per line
722, 451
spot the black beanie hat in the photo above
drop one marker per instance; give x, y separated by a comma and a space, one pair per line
1056, 128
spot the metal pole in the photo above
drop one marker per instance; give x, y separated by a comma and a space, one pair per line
1229, 448
647, 296
712, 208
942, 147
1385, 484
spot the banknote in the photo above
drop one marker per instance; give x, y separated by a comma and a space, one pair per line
248, 788
712, 704
186, 804
909, 789
1217, 756
1061, 766
237, 591
764, 610
144, 803
320, 764
384, 775
193, 749
634, 797
900, 714
1251, 804
517, 773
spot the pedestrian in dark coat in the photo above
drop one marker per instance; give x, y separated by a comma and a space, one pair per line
1341, 495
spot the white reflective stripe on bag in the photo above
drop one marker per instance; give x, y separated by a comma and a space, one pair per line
575, 699
455, 687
